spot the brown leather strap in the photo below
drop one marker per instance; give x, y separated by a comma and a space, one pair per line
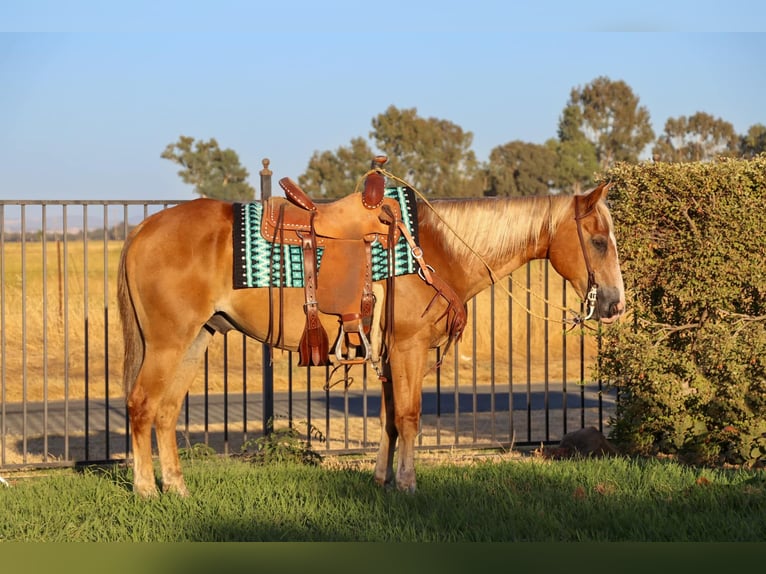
314, 346
296, 195
368, 298
578, 221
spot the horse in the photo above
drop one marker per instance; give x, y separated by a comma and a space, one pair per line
175, 291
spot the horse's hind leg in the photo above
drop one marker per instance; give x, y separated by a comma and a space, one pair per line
156, 398
166, 419
141, 417
143, 403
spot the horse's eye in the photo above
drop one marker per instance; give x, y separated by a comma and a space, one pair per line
600, 244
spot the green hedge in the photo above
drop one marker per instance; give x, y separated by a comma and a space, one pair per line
689, 359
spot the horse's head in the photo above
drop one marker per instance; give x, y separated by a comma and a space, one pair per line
583, 250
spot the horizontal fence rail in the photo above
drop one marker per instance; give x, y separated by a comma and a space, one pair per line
513, 379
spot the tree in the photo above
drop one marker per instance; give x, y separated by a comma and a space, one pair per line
434, 155
335, 174
700, 137
521, 168
612, 120
213, 172
753, 142
576, 160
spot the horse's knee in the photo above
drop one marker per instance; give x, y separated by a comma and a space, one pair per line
407, 425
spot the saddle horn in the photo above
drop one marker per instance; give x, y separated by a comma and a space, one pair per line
375, 184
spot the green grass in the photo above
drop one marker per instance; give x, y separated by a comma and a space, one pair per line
499, 500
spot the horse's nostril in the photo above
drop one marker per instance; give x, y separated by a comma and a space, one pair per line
616, 308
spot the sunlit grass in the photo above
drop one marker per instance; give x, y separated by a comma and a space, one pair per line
495, 499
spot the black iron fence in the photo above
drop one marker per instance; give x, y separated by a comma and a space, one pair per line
514, 379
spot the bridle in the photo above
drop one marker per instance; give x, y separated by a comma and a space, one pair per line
592, 285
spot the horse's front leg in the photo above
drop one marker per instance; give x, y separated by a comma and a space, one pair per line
384, 467
407, 370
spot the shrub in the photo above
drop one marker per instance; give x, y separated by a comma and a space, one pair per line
689, 361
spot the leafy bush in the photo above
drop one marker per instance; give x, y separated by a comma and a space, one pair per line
283, 445
689, 361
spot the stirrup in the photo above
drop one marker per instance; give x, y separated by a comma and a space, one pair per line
354, 360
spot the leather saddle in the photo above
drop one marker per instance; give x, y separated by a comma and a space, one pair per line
345, 230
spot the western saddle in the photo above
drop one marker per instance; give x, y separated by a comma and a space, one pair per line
345, 230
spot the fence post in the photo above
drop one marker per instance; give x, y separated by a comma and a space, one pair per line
267, 367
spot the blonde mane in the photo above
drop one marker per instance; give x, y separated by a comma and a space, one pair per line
494, 225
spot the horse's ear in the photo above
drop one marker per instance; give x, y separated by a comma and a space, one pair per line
596, 195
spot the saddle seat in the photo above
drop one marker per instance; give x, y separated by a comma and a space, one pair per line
285, 222
345, 230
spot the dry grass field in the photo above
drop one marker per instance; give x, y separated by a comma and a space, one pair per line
61, 330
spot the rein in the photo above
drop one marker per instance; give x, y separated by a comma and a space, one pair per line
575, 319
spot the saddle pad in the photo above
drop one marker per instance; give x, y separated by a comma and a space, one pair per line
259, 263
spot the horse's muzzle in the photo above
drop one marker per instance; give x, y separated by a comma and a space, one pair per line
610, 304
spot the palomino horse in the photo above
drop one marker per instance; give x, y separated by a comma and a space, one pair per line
175, 290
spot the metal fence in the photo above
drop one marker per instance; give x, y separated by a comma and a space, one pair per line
514, 379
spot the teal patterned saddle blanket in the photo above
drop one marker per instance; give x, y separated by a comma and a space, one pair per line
261, 263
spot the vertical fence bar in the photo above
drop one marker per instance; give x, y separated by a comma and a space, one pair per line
125, 231
206, 425
65, 280
529, 353
244, 388
24, 328
511, 429
546, 356
44, 244
492, 361
474, 350
226, 393
365, 372
346, 368
290, 388
600, 385
564, 397
86, 328
438, 399
327, 406
3, 419
582, 369
267, 367
107, 449
456, 377
308, 406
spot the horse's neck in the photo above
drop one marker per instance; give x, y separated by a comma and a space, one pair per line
483, 240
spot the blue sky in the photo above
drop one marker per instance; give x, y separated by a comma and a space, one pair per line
91, 93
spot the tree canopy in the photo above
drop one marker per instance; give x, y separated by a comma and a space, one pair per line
213, 172
521, 168
754, 141
601, 123
612, 120
700, 137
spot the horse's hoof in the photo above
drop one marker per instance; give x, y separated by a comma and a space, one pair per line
146, 492
177, 489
